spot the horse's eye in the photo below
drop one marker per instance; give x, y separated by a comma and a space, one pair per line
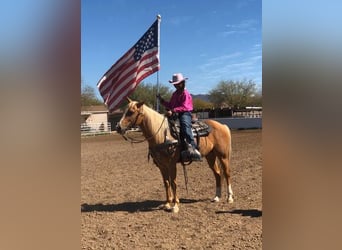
129, 113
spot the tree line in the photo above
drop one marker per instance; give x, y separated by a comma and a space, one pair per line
226, 94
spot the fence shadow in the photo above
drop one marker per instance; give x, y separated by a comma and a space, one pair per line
253, 213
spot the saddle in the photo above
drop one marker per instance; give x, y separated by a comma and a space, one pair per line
199, 128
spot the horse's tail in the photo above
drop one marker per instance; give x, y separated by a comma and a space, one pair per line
229, 144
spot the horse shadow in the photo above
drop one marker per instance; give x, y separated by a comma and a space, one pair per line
253, 213
130, 207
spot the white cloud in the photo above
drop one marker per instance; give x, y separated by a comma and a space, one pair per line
244, 24
235, 66
215, 61
244, 27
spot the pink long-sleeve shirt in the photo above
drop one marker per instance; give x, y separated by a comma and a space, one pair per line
180, 101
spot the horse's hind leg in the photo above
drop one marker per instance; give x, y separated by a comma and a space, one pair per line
226, 171
211, 159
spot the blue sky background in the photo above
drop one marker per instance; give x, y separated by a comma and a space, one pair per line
206, 40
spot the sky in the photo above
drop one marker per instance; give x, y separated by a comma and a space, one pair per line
207, 41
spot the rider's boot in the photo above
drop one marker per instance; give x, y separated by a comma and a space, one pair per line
194, 153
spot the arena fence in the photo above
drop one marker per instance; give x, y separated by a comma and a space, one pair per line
241, 123
95, 128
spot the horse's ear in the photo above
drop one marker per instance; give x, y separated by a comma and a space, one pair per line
139, 104
128, 99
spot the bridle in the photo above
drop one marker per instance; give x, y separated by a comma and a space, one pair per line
133, 140
136, 119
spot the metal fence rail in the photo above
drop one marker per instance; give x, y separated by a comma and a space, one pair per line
95, 128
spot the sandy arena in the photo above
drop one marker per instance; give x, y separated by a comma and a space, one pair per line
121, 192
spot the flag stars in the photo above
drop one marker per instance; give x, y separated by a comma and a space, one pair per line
148, 41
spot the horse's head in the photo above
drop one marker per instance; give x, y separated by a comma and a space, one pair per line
132, 117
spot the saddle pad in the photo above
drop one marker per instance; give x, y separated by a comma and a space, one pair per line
199, 128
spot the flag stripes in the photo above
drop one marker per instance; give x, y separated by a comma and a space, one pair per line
136, 64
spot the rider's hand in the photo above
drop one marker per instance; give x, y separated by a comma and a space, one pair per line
168, 113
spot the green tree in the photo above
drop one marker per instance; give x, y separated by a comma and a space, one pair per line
255, 100
201, 104
88, 96
235, 94
147, 93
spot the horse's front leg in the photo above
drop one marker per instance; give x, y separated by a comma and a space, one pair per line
166, 180
173, 178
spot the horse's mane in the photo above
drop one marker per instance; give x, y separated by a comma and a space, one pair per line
155, 123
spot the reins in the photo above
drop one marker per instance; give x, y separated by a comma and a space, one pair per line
132, 140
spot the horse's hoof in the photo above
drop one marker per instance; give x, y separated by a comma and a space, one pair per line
230, 200
175, 209
216, 199
166, 207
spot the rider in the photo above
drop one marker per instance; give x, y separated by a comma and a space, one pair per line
181, 104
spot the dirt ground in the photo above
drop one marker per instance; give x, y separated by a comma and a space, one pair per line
121, 190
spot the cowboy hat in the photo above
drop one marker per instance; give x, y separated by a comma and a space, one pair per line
177, 78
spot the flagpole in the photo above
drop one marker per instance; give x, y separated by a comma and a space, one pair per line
159, 20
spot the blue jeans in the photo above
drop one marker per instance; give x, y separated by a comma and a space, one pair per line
185, 128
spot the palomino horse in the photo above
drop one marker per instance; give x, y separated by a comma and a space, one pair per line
216, 148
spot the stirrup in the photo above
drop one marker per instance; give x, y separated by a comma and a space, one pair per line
195, 155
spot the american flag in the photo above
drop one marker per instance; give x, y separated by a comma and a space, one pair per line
136, 64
